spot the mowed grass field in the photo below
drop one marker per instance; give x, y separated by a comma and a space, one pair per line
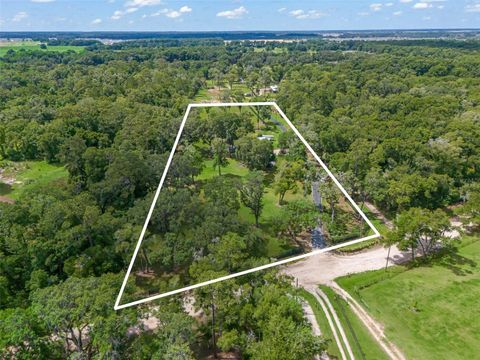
431, 311
31, 45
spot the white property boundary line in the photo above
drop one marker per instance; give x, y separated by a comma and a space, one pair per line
117, 305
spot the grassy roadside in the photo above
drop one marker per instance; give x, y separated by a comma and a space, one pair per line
428, 310
327, 334
363, 345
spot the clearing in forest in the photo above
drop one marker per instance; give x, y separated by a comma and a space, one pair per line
242, 191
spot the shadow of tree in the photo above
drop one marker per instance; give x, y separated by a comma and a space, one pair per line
449, 258
458, 264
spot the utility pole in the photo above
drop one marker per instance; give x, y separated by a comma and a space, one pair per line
388, 256
213, 332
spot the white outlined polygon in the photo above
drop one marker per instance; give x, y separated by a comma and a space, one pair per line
376, 234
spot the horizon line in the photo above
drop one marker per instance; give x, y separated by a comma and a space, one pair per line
241, 31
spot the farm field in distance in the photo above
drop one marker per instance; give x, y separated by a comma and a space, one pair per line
5, 46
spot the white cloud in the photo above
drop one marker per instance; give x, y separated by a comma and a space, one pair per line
20, 16
185, 9
389, 4
406, 1
426, 18
173, 14
282, 9
119, 13
142, 3
233, 14
42, 1
472, 8
422, 5
440, 7
296, 12
160, 12
398, 13
376, 6
96, 21
302, 14
363, 13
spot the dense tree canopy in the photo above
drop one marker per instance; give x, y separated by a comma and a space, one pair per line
399, 121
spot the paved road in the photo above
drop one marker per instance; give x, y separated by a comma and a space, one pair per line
318, 239
317, 236
278, 123
316, 196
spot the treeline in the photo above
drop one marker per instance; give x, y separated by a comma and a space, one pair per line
110, 118
404, 127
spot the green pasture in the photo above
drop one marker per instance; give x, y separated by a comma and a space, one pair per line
430, 311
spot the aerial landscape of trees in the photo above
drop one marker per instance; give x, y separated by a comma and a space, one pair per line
84, 139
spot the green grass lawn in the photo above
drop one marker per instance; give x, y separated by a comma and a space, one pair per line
363, 345
36, 46
270, 199
34, 175
233, 168
430, 311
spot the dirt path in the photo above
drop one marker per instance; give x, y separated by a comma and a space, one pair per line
373, 209
7, 200
321, 296
310, 316
375, 328
330, 321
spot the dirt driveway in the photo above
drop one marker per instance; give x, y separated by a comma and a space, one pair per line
324, 268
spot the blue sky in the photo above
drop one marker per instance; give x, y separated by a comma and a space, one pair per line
196, 15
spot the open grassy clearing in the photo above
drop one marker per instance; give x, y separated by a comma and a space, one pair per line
212, 92
33, 176
428, 311
271, 207
233, 168
363, 345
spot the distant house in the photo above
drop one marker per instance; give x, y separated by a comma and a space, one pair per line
267, 90
265, 137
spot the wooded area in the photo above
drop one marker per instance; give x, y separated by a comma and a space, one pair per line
398, 124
